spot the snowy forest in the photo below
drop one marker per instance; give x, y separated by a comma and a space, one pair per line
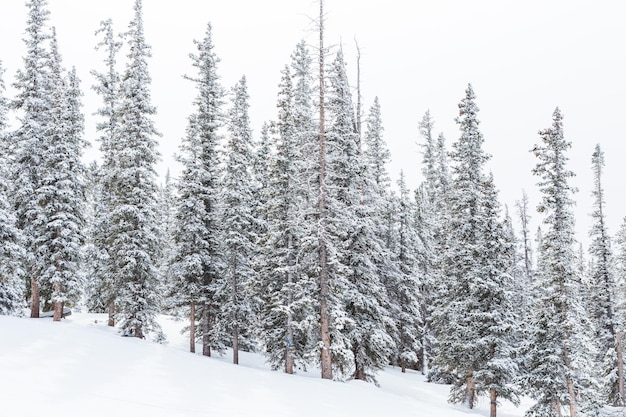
296, 242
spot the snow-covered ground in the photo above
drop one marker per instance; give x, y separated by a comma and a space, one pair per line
81, 367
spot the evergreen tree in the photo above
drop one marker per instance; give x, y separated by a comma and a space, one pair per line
473, 322
407, 290
498, 318
459, 349
239, 225
386, 216
11, 250
560, 367
286, 317
59, 235
108, 86
94, 297
340, 190
603, 290
429, 222
364, 319
197, 262
34, 85
134, 247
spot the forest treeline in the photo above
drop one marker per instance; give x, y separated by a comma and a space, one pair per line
295, 243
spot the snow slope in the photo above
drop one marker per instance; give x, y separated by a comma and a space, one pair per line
80, 367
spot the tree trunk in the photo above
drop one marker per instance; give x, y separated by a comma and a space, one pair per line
325, 356
235, 316
34, 306
425, 363
620, 368
570, 385
236, 344
359, 372
493, 404
206, 337
289, 361
58, 305
470, 392
111, 322
192, 328
289, 351
557, 407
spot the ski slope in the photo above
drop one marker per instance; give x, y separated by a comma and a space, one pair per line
81, 367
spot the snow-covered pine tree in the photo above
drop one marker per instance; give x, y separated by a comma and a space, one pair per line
134, 247
34, 87
497, 316
407, 289
11, 249
92, 262
59, 234
603, 291
430, 198
198, 261
384, 215
471, 315
108, 87
560, 369
361, 320
456, 306
287, 317
239, 226
427, 255
309, 164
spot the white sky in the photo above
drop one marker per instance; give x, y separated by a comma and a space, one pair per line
522, 58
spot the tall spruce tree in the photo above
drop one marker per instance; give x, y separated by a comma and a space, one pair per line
239, 225
11, 249
409, 321
498, 316
373, 274
134, 247
560, 351
458, 336
287, 316
60, 235
383, 213
197, 261
429, 219
603, 291
342, 192
34, 85
472, 315
108, 87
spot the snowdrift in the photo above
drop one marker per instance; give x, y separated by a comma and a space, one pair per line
81, 367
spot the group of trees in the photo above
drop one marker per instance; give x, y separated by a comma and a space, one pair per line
295, 243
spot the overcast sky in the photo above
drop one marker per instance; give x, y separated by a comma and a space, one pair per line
523, 59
